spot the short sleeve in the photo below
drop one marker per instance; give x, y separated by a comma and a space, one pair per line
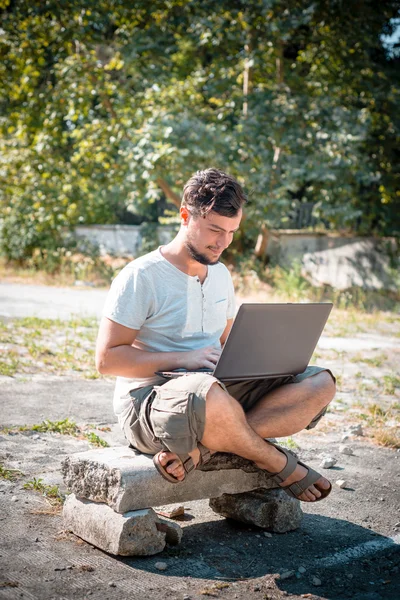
130, 300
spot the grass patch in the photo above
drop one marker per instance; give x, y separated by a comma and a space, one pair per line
32, 345
376, 361
95, 440
63, 427
388, 437
10, 474
390, 383
51, 492
290, 444
379, 422
9, 367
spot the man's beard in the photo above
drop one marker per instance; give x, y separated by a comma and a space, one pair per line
198, 256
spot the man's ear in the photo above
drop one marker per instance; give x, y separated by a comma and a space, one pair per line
185, 214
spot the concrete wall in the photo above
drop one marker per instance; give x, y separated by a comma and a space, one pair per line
339, 261
120, 240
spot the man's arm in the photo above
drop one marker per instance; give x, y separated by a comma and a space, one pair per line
225, 334
115, 354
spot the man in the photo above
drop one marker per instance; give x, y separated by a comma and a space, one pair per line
173, 308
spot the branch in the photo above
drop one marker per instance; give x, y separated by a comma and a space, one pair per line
170, 194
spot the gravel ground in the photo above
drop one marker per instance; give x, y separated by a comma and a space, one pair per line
347, 547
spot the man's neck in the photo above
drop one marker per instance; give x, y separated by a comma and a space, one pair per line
176, 253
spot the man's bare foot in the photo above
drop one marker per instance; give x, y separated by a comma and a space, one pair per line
173, 464
312, 493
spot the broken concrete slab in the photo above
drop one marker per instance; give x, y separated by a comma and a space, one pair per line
272, 510
135, 533
126, 480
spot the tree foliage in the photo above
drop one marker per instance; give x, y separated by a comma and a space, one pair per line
114, 104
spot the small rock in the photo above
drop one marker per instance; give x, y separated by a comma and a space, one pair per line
112, 584
328, 462
36, 437
316, 581
161, 566
343, 449
342, 483
269, 535
350, 575
287, 574
186, 597
302, 569
397, 525
14, 499
171, 512
256, 588
356, 429
345, 437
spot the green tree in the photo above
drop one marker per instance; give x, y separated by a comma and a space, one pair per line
114, 104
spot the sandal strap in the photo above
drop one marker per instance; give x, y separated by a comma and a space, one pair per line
289, 468
298, 487
187, 463
205, 454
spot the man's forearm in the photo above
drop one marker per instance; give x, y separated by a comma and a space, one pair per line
126, 361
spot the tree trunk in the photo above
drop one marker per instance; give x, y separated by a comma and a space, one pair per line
170, 194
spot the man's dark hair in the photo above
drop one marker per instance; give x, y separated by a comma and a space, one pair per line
213, 190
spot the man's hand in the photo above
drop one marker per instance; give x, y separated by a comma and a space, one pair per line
205, 358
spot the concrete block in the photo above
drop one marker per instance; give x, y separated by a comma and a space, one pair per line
136, 533
272, 510
129, 481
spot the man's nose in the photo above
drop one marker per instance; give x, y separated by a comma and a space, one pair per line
223, 241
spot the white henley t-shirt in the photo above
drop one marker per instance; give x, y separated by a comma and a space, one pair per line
173, 311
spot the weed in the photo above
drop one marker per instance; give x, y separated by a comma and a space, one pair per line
390, 383
51, 492
95, 440
376, 361
387, 437
10, 474
290, 283
339, 381
290, 444
10, 366
65, 427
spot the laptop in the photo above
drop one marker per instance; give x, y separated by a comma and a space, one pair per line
267, 341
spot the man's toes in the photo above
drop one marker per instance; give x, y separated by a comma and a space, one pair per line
323, 483
174, 466
314, 491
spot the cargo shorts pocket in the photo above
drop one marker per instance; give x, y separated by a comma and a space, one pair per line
177, 419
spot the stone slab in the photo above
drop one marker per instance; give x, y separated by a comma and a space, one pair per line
127, 481
273, 510
136, 533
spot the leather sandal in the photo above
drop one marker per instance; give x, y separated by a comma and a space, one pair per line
297, 488
187, 462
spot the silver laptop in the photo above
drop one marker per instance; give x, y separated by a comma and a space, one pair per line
267, 341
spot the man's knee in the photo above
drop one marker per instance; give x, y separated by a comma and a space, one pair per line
325, 384
220, 403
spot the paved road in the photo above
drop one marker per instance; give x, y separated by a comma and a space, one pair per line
46, 302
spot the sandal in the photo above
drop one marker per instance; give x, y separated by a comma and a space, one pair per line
296, 488
187, 463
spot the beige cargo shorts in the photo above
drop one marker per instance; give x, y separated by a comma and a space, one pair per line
171, 416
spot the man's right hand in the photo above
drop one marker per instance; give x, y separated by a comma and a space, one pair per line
205, 358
